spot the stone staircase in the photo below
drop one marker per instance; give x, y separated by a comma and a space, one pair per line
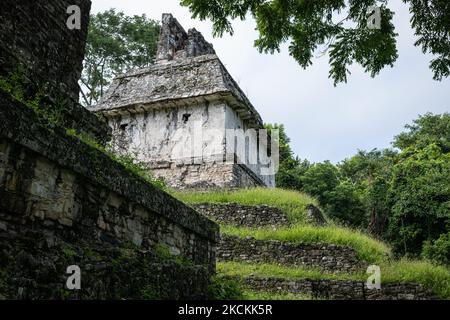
330, 259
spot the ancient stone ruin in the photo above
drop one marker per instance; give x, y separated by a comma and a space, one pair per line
329, 258
65, 203
174, 115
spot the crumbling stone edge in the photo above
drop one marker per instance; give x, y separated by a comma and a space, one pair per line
338, 289
21, 125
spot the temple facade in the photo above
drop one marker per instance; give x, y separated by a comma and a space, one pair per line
177, 117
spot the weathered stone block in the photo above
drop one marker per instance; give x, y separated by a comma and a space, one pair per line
244, 216
60, 199
339, 289
37, 45
329, 258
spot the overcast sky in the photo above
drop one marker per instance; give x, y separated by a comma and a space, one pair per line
324, 122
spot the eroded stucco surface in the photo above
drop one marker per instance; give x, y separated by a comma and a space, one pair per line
173, 116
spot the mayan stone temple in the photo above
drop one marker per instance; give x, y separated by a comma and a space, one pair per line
79, 222
173, 116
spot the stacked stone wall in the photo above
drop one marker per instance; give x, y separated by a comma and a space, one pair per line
340, 289
63, 202
238, 215
328, 257
331, 259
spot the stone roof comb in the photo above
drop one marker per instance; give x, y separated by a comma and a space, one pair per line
175, 44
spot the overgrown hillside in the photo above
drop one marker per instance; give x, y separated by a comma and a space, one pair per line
300, 231
399, 194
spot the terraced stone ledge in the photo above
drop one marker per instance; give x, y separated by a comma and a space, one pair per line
339, 289
327, 257
238, 215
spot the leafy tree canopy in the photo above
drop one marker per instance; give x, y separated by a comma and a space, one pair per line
291, 168
320, 179
402, 196
419, 194
115, 44
337, 26
364, 166
425, 130
286, 154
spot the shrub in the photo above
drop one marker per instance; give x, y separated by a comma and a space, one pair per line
419, 194
320, 179
292, 203
344, 204
223, 288
438, 250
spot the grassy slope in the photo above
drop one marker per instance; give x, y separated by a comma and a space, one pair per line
261, 295
242, 269
293, 204
437, 278
434, 277
367, 248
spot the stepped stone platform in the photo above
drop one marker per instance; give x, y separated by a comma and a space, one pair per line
244, 216
327, 257
339, 289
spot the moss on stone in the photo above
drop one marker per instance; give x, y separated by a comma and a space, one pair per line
127, 161
48, 116
69, 253
3, 284
224, 288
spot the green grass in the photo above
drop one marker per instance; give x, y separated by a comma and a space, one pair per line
436, 278
367, 248
264, 295
243, 269
291, 202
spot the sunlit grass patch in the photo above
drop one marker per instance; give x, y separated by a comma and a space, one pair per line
436, 278
292, 203
243, 269
367, 248
265, 295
